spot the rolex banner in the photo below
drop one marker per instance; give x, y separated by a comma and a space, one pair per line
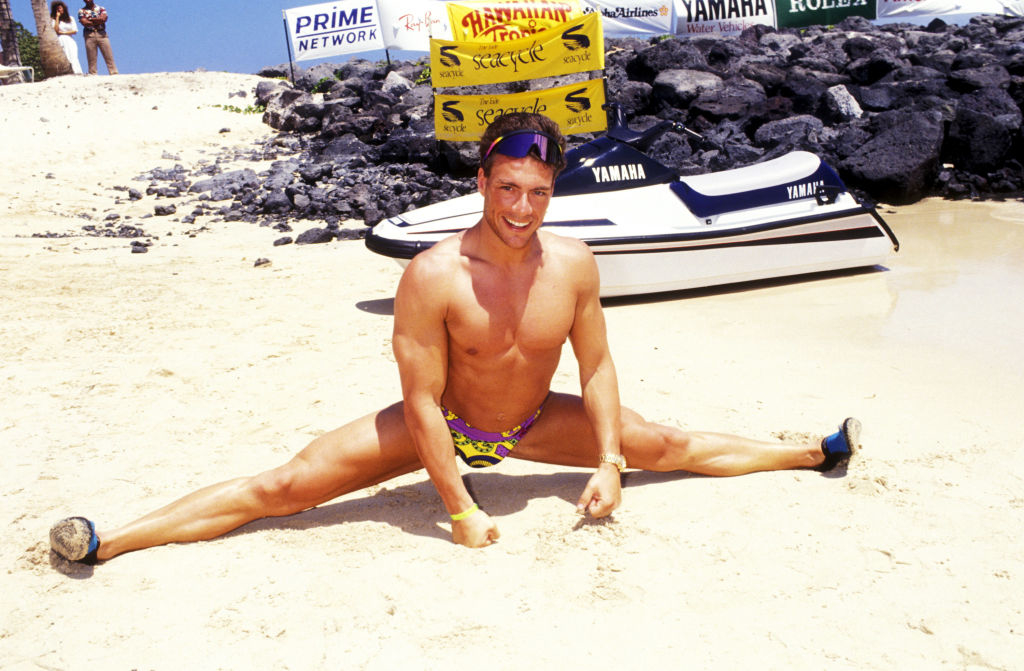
574, 46
576, 108
505, 20
796, 13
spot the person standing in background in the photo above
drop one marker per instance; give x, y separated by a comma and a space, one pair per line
66, 29
94, 24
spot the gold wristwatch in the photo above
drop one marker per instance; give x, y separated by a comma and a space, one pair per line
617, 459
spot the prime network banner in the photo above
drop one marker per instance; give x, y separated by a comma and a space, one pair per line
574, 46
577, 108
791, 13
505, 20
727, 17
332, 28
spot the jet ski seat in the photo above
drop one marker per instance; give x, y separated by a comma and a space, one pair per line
794, 176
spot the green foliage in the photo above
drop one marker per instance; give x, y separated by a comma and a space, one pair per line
248, 109
28, 45
323, 85
424, 76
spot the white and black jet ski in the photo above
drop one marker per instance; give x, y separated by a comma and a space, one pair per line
652, 230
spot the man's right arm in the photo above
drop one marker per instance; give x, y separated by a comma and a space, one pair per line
420, 343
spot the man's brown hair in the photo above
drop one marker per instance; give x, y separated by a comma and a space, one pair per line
506, 123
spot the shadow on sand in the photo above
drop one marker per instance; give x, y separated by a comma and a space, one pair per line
416, 509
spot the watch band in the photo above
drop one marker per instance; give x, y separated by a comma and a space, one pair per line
617, 459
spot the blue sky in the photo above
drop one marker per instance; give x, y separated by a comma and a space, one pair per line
181, 35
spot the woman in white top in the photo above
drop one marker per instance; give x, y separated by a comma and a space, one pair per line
66, 29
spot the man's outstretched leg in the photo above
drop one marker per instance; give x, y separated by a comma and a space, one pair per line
562, 435
369, 450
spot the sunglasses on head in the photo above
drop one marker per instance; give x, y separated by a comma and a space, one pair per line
518, 144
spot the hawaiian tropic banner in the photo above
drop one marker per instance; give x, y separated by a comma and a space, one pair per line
634, 17
574, 46
409, 24
504, 20
898, 8
727, 17
576, 108
794, 13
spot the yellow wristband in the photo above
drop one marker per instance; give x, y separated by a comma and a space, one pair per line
465, 513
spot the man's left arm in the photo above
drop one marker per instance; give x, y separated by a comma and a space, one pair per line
600, 390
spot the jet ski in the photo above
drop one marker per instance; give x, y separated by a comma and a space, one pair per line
653, 231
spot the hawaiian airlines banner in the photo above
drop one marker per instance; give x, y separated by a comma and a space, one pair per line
409, 24
634, 17
792, 13
504, 20
695, 17
574, 46
577, 108
936, 7
333, 28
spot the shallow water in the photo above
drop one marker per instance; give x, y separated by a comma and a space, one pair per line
958, 279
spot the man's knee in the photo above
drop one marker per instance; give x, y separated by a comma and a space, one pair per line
658, 447
277, 491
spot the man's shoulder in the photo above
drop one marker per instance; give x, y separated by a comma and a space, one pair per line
569, 250
438, 262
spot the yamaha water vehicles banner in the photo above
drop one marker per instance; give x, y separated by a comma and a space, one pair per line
409, 24
577, 108
505, 20
726, 17
574, 46
332, 28
792, 13
634, 17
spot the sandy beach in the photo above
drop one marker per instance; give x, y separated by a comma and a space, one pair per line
131, 379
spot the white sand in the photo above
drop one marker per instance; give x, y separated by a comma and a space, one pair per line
130, 379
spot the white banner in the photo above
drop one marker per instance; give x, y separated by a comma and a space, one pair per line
409, 24
696, 17
332, 28
888, 8
621, 18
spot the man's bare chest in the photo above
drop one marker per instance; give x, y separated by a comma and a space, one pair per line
502, 322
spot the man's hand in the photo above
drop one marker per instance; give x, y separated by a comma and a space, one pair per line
475, 531
603, 492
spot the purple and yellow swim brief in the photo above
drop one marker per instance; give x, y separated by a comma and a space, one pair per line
480, 449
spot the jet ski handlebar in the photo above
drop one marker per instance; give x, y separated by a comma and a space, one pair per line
618, 129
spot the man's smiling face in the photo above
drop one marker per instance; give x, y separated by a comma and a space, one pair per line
516, 197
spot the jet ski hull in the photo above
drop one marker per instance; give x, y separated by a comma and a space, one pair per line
785, 217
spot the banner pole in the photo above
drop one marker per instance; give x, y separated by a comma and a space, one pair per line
387, 55
288, 44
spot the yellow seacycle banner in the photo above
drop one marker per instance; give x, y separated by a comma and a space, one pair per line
576, 108
574, 46
504, 20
